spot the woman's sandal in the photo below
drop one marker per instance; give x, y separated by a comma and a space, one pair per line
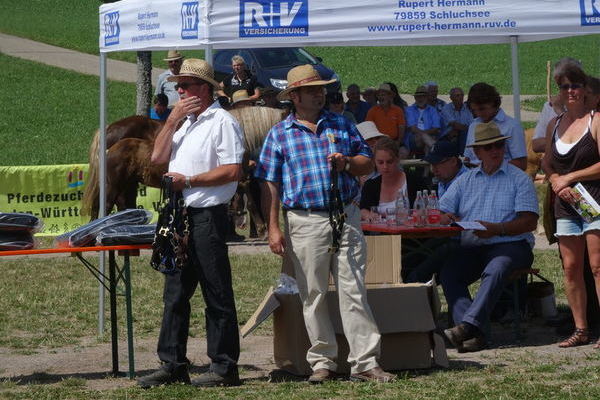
578, 338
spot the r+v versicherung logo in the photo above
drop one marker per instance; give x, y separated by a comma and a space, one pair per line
264, 18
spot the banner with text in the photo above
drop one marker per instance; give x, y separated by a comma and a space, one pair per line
272, 23
54, 193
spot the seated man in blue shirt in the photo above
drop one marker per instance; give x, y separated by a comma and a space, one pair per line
503, 199
423, 122
456, 118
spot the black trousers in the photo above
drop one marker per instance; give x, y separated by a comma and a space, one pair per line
209, 266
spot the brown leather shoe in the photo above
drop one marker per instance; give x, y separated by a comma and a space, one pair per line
321, 375
373, 375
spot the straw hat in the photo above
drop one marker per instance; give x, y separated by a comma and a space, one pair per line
302, 75
486, 133
385, 87
368, 130
421, 91
173, 55
196, 68
239, 95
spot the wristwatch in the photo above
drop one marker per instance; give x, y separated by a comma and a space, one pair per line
347, 166
188, 182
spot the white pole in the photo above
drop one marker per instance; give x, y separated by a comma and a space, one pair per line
516, 87
208, 50
101, 182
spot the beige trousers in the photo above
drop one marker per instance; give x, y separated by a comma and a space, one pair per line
308, 237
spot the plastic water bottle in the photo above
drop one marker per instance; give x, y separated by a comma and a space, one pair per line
401, 207
419, 209
433, 210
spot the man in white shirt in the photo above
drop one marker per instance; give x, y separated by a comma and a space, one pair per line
163, 85
204, 156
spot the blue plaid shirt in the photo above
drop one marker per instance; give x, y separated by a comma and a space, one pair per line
476, 195
297, 158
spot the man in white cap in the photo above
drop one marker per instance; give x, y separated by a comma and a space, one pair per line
503, 199
204, 156
295, 164
163, 85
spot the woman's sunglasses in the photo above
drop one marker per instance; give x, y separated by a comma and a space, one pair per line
573, 86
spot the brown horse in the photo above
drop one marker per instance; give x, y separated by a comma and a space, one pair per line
129, 146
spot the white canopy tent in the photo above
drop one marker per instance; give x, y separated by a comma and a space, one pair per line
135, 25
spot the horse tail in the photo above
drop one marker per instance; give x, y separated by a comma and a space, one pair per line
92, 189
256, 122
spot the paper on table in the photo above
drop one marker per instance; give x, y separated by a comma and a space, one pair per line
471, 225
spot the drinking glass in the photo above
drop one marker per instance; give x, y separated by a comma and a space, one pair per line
390, 215
375, 217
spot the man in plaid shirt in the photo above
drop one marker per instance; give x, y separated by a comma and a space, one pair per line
295, 167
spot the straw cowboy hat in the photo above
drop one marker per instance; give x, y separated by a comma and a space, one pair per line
196, 68
239, 95
368, 130
173, 55
302, 75
486, 133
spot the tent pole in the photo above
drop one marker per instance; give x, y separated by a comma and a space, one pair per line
516, 87
101, 181
208, 50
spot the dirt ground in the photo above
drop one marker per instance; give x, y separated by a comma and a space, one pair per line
92, 361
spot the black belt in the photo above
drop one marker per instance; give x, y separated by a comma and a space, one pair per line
195, 210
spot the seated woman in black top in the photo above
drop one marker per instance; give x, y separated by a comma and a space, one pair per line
383, 190
241, 78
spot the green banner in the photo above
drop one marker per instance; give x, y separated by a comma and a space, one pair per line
54, 194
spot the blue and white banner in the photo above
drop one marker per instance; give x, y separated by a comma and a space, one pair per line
163, 24
151, 25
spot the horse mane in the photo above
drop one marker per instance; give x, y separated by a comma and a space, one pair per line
92, 189
256, 122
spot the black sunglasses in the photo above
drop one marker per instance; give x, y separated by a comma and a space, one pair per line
567, 86
186, 85
490, 146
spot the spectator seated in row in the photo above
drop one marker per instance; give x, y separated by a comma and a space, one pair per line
370, 95
485, 101
355, 105
160, 111
456, 118
334, 102
503, 199
423, 122
432, 96
383, 190
389, 118
446, 167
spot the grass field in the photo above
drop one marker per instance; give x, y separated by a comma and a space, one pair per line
49, 303
51, 119
74, 24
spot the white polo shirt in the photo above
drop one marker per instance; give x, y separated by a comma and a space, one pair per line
212, 139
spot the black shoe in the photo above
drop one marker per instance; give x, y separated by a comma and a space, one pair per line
477, 343
210, 378
164, 377
457, 335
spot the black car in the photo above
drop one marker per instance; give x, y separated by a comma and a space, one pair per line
271, 65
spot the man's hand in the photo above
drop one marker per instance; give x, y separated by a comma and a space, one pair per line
567, 195
448, 218
276, 241
184, 107
340, 160
492, 229
178, 181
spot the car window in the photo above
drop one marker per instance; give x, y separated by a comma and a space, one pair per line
283, 57
223, 57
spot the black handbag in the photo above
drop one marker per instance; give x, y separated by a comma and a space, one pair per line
169, 249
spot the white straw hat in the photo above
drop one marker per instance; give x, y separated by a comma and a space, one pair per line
368, 130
